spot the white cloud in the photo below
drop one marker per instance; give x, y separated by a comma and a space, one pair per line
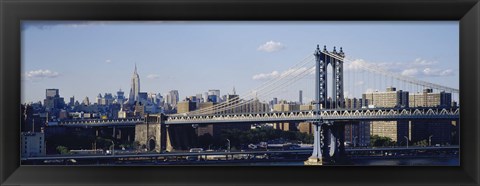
423, 62
108, 61
263, 76
437, 72
293, 72
153, 76
410, 72
416, 68
271, 46
355, 65
41, 74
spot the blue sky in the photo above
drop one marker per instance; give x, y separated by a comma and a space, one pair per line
87, 58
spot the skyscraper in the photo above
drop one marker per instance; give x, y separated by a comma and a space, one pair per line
120, 96
300, 96
53, 100
51, 93
135, 88
173, 98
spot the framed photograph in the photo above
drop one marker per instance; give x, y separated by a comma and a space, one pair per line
239, 92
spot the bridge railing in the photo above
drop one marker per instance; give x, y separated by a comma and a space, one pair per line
365, 113
100, 121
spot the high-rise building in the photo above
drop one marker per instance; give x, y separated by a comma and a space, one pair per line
433, 131
186, 106
107, 99
428, 98
173, 98
357, 134
99, 99
300, 97
51, 93
154, 98
72, 101
33, 144
142, 97
135, 87
389, 99
86, 101
139, 109
398, 131
52, 100
284, 106
200, 98
215, 92
120, 97
212, 98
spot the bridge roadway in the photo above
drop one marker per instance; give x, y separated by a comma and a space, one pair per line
179, 154
369, 114
364, 114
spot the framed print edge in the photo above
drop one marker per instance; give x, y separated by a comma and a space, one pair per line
467, 12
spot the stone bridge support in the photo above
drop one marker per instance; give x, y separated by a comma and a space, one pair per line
152, 134
329, 143
155, 135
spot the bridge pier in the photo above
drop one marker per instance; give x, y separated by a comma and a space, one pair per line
328, 145
337, 142
169, 147
153, 133
316, 158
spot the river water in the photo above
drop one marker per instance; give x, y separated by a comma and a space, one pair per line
434, 161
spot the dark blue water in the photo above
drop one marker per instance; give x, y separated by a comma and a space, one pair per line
437, 161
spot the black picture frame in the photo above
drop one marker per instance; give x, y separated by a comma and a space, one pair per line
12, 12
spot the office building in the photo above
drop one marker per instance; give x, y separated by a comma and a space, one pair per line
428, 98
353, 103
120, 99
32, 144
99, 99
52, 93
135, 87
173, 98
143, 97
300, 97
216, 94
213, 98
433, 131
284, 106
72, 101
305, 127
398, 131
53, 101
357, 134
186, 106
389, 99
139, 109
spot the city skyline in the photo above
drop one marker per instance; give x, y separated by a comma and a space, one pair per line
170, 56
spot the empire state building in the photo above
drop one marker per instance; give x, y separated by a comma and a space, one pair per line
135, 88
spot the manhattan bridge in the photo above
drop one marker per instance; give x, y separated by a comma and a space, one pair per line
329, 112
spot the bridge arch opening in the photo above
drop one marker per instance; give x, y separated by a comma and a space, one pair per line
151, 145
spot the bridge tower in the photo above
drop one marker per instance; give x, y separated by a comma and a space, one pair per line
327, 136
